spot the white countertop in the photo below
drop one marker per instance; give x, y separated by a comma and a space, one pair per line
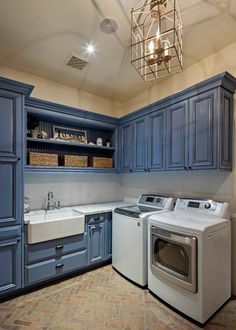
85, 209
99, 208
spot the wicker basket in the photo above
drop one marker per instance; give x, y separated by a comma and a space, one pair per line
75, 161
43, 159
100, 162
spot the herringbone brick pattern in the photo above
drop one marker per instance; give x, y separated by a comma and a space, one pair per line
100, 300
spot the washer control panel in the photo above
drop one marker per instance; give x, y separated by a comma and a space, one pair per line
208, 206
156, 201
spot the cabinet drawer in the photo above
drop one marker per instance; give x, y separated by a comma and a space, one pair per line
55, 248
54, 267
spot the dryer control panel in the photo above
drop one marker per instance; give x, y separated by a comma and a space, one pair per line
219, 209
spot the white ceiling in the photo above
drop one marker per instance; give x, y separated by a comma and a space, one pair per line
37, 36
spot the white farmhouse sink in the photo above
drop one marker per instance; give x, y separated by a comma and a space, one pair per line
45, 226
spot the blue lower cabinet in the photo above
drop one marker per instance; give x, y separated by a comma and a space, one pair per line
96, 242
108, 240
52, 268
10, 265
55, 248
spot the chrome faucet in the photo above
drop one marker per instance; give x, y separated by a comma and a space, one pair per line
52, 205
49, 200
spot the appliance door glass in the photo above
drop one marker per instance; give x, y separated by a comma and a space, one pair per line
174, 257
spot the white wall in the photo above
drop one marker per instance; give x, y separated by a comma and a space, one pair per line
213, 185
72, 189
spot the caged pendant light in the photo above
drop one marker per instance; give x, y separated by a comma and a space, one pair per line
156, 39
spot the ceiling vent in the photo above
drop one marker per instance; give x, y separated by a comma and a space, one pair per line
109, 25
76, 62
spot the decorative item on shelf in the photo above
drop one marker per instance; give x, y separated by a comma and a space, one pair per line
69, 135
43, 159
91, 143
108, 143
100, 162
32, 126
42, 135
75, 161
99, 142
156, 39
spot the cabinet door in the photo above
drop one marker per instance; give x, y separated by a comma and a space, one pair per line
156, 138
177, 134
203, 130
226, 130
10, 158
108, 240
10, 263
140, 144
96, 243
126, 148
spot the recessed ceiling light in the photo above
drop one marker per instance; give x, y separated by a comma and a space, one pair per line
90, 48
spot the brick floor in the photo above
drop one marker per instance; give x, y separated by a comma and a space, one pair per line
100, 299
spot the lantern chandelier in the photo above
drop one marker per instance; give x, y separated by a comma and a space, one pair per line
156, 39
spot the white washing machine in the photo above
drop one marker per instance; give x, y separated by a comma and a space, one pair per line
129, 235
189, 252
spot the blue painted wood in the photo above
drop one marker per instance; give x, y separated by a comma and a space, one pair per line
226, 129
108, 235
202, 140
11, 110
70, 144
176, 136
53, 268
10, 261
48, 109
63, 169
126, 147
10, 232
223, 79
140, 145
96, 242
15, 86
156, 141
55, 248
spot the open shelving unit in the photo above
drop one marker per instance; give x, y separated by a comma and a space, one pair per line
93, 128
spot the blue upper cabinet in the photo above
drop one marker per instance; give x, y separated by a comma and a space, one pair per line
203, 131
176, 136
126, 147
156, 140
225, 129
140, 144
11, 130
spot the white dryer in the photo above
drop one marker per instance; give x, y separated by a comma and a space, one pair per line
190, 257
129, 235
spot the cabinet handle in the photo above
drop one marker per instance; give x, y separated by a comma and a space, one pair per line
148, 169
59, 265
185, 167
130, 170
59, 247
145, 170
190, 167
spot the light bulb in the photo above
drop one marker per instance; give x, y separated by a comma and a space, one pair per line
90, 49
151, 47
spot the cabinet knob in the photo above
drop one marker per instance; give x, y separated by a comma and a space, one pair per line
190, 167
185, 167
130, 170
145, 170
148, 169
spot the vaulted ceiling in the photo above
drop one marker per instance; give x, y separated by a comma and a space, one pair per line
37, 37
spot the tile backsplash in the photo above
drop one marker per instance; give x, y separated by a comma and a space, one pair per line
72, 189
